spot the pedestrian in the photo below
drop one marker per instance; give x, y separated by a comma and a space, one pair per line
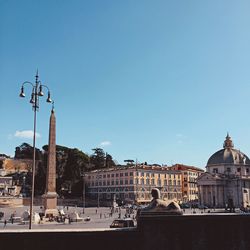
96, 211
5, 223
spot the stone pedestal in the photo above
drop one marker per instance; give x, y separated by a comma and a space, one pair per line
50, 204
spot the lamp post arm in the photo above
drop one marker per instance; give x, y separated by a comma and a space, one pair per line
28, 83
45, 86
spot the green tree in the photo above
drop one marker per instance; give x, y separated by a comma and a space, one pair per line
25, 151
109, 161
98, 158
70, 164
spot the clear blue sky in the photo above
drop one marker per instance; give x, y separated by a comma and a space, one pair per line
160, 81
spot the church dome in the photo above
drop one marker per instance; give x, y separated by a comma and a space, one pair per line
228, 155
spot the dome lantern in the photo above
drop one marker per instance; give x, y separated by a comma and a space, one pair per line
228, 143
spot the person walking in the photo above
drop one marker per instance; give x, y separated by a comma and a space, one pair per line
5, 223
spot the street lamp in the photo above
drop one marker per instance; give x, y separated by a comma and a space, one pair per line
98, 198
34, 100
83, 192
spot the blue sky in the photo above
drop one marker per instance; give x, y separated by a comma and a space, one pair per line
160, 81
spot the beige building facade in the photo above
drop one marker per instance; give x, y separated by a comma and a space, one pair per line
189, 181
134, 183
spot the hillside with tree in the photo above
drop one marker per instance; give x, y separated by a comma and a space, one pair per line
71, 164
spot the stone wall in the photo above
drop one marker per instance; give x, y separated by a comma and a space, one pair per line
197, 232
9, 201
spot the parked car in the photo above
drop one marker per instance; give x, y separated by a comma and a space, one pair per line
202, 207
122, 223
184, 205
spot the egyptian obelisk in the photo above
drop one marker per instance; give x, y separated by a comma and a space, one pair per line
50, 196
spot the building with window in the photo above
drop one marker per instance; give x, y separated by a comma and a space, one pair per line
189, 181
7, 187
226, 181
134, 183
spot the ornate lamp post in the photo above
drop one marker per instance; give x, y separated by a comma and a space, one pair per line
83, 191
37, 92
98, 198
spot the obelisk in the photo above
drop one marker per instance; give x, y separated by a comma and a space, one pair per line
50, 196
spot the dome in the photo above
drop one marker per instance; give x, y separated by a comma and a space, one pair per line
228, 155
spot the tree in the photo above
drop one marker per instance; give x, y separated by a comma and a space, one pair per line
109, 161
70, 164
129, 162
98, 158
25, 151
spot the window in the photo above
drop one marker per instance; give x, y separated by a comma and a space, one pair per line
121, 182
131, 181
147, 181
112, 175
142, 174
104, 183
108, 183
165, 182
116, 182
159, 182
215, 170
142, 181
108, 175
126, 174
228, 170
112, 183
247, 170
126, 182
153, 181
238, 169
131, 173
121, 174
104, 176
117, 175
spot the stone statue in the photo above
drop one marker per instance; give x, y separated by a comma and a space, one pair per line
159, 206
